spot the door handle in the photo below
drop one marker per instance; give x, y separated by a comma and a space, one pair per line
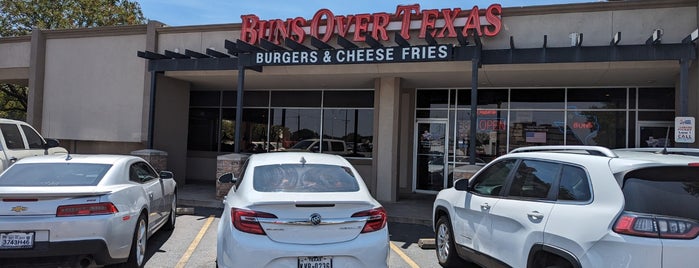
485, 206
535, 215
150, 194
13, 160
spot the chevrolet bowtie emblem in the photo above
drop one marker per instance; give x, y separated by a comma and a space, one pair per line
19, 209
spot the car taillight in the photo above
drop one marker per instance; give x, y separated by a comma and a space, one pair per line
246, 220
86, 209
656, 226
377, 219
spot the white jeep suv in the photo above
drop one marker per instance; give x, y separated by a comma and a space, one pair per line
573, 206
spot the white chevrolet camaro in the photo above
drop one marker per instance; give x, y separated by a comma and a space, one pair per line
86, 209
291, 209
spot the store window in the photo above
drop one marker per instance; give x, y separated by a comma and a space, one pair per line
284, 121
600, 128
532, 128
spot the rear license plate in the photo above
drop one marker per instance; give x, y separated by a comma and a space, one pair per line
16, 240
316, 262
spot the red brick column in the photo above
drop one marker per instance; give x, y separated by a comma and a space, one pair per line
229, 163
156, 158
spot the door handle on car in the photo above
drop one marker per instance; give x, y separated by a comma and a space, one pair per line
150, 194
535, 215
485, 206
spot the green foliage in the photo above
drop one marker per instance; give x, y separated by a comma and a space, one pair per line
13, 101
19, 17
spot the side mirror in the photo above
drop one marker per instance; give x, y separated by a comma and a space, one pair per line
51, 143
166, 175
227, 178
462, 185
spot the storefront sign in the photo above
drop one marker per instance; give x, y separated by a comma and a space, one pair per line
324, 25
352, 56
684, 129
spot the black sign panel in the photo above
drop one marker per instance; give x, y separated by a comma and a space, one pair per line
353, 56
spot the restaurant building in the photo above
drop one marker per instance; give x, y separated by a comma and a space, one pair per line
413, 97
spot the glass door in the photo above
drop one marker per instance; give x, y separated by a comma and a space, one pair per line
430, 155
655, 134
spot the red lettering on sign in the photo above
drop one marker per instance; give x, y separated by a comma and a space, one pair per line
343, 24
429, 19
473, 22
406, 12
361, 25
324, 22
491, 15
449, 17
315, 24
381, 21
297, 29
491, 124
583, 125
247, 31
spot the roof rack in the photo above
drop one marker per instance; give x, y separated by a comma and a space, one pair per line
592, 150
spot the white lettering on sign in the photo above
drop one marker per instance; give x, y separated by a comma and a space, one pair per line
357, 55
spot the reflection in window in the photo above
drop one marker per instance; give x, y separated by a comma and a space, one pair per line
596, 128
353, 127
348, 130
596, 98
533, 179
491, 180
532, 128
290, 126
574, 184
203, 129
540, 98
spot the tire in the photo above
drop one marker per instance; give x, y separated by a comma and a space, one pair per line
445, 249
137, 253
170, 224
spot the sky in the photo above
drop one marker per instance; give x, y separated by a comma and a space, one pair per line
202, 12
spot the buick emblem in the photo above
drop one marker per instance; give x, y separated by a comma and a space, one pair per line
315, 218
19, 209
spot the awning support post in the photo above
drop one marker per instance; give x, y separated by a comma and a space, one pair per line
239, 108
151, 112
475, 64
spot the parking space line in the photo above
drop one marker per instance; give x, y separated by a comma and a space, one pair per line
188, 254
402, 255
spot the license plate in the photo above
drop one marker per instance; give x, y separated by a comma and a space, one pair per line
316, 262
16, 240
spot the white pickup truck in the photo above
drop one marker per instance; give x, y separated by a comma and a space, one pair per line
19, 140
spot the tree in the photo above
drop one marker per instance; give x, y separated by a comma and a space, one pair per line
19, 17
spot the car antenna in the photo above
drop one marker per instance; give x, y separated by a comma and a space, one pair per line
667, 137
303, 161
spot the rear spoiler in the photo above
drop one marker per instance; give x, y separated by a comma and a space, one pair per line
10, 193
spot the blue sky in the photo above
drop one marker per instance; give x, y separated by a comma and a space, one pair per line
200, 12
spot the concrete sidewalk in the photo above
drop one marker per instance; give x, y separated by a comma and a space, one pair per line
413, 208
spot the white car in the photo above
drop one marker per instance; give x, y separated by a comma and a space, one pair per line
19, 140
573, 206
91, 209
290, 209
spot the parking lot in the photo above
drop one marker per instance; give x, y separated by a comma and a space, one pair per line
193, 243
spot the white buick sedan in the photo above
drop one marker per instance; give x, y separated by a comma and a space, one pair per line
291, 209
85, 210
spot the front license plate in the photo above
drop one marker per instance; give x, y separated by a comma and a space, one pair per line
16, 240
316, 262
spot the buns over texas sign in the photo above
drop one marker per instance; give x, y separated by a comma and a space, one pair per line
444, 23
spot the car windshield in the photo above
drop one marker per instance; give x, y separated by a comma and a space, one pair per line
670, 191
54, 174
304, 178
